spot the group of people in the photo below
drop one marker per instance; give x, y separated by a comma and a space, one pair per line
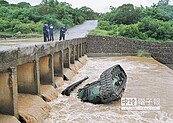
48, 32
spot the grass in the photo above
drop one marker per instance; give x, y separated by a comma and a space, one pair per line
29, 35
98, 32
143, 53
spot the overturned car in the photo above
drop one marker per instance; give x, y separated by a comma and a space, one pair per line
109, 87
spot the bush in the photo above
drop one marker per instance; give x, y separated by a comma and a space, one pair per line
23, 28
156, 29
4, 25
130, 31
143, 53
99, 32
68, 21
104, 25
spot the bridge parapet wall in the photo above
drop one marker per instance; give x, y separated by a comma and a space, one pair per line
21, 55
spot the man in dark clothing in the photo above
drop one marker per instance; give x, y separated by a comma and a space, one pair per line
51, 29
62, 33
45, 33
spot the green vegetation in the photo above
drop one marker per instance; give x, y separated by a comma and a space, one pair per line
22, 19
99, 32
150, 23
153, 23
143, 53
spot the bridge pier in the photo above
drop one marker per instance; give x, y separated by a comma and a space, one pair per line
77, 52
27, 78
58, 68
73, 65
8, 92
72, 54
77, 56
84, 48
47, 70
68, 73
58, 64
66, 57
80, 50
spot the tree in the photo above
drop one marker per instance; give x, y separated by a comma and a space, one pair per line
127, 14
88, 12
3, 2
44, 2
161, 11
163, 3
24, 5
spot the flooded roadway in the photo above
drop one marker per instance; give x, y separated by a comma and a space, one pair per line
146, 78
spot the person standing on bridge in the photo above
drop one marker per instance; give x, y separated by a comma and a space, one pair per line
51, 30
63, 30
46, 32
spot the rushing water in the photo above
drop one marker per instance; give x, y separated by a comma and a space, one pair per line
146, 78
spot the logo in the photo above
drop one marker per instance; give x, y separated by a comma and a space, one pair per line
145, 104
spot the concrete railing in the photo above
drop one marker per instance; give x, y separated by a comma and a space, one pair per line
23, 69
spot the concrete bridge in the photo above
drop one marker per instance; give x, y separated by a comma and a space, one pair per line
38, 69
24, 69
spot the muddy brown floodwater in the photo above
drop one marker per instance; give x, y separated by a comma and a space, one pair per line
146, 78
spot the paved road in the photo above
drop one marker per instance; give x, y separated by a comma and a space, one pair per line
77, 31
